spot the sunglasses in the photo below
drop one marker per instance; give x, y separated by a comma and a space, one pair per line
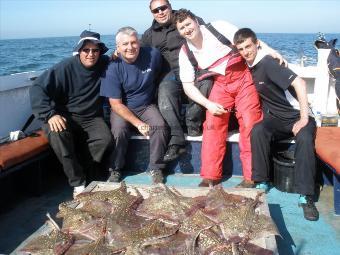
87, 51
160, 8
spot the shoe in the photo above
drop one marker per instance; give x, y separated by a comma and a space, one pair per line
157, 176
246, 184
115, 175
263, 185
208, 183
173, 152
77, 190
194, 131
310, 212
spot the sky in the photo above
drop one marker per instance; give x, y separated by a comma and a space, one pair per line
53, 18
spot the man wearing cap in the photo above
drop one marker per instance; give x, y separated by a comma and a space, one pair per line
66, 98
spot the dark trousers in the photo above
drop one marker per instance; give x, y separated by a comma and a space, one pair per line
264, 135
121, 130
195, 113
81, 146
170, 94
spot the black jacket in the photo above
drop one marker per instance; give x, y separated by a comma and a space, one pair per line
168, 41
68, 88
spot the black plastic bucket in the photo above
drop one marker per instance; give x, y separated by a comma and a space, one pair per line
284, 163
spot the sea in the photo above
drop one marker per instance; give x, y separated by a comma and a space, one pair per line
36, 54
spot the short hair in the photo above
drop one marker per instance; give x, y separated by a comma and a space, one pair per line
125, 31
243, 34
166, 1
181, 15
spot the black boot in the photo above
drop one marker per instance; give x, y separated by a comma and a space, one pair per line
310, 212
173, 152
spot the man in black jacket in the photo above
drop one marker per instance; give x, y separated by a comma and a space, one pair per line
163, 35
66, 98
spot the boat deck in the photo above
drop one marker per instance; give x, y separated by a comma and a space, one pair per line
298, 236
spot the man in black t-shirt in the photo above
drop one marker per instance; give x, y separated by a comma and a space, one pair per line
286, 114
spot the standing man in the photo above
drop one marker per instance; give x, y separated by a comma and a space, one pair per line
164, 36
233, 87
130, 85
286, 114
66, 98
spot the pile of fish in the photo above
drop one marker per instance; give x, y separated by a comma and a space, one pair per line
166, 222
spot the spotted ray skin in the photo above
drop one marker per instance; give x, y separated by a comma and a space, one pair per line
166, 205
175, 244
117, 225
91, 230
205, 233
72, 218
241, 248
109, 195
196, 222
98, 209
151, 231
54, 243
119, 198
242, 220
218, 197
94, 248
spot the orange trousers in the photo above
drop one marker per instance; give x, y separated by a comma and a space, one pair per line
233, 90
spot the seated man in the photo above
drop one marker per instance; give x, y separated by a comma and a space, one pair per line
66, 98
163, 35
129, 83
232, 86
286, 114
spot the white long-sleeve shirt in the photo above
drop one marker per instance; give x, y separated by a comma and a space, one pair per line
211, 51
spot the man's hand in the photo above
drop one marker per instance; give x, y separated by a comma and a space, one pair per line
215, 108
57, 123
114, 55
280, 58
298, 125
143, 128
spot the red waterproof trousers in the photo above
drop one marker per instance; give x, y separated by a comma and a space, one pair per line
235, 89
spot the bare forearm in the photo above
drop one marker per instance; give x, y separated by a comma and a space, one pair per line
126, 114
301, 92
194, 94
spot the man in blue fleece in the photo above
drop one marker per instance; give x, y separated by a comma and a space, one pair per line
66, 98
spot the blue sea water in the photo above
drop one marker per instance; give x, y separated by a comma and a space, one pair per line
22, 55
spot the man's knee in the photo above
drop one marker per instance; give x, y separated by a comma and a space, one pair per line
120, 132
59, 137
106, 139
160, 128
306, 137
258, 130
169, 89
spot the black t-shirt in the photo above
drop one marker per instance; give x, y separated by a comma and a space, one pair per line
273, 83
